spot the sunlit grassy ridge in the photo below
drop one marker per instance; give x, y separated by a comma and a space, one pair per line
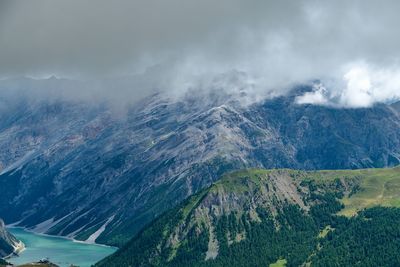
379, 187
376, 187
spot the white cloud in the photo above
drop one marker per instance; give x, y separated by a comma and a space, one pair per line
362, 85
316, 97
358, 91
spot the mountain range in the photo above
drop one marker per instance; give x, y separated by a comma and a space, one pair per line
79, 170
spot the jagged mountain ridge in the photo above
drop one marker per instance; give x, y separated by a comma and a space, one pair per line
73, 169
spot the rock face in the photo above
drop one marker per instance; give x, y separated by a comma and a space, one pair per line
79, 170
8, 243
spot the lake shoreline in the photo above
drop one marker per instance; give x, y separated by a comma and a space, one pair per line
59, 236
60, 250
17, 250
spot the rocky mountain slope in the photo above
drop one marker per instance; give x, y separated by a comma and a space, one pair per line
79, 170
8, 243
260, 217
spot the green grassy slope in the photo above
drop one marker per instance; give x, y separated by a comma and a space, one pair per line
378, 187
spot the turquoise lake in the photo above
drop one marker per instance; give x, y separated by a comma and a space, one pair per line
60, 251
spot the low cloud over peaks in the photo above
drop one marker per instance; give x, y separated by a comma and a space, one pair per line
361, 86
178, 45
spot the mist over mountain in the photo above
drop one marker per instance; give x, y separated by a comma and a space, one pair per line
79, 170
178, 46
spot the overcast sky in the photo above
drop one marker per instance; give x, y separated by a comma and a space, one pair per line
352, 46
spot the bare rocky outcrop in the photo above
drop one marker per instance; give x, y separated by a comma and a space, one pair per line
8, 243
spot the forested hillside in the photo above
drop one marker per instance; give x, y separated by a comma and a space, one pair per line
256, 218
